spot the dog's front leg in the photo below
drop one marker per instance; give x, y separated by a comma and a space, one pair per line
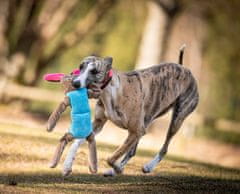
131, 140
127, 157
54, 117
99, 117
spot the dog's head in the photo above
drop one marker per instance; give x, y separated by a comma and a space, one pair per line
92, 70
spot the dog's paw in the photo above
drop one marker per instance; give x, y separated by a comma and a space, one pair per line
116, 167
146, 169
110, 162
66, 172
109, 173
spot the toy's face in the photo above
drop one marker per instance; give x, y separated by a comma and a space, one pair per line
93, 70
66, 81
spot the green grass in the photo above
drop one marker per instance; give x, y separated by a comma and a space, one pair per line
25, 154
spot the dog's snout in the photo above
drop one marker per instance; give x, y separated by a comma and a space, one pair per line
76, 83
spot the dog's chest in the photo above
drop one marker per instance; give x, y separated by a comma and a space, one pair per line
123, 106
114, 110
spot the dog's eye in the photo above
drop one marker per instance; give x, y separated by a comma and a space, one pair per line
94, 71
81, 66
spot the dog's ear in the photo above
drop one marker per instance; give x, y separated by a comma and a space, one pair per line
108, 61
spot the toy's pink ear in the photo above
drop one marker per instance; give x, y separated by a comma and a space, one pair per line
76, 72
53, 77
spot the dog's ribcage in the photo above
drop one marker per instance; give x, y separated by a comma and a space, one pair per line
142, 96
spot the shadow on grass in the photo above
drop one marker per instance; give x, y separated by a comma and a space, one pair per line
171, 182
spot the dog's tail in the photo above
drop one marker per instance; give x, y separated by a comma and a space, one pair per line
181, 50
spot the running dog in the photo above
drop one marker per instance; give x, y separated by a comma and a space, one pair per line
133, 100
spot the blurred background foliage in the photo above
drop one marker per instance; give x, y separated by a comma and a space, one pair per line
223, 56
39, 36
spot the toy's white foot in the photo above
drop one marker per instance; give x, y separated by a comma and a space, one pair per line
92, 170
66, 172
109, 173
52, 165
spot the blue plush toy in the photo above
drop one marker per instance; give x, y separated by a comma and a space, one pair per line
81, 126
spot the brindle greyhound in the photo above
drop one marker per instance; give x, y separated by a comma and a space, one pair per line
133, 100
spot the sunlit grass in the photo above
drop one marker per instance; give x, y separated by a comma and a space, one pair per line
25, 154
229, 137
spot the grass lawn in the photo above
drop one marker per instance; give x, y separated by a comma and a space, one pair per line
26, 152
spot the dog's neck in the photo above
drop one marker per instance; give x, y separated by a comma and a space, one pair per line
107, 79
115, 80
113, 87
110, 96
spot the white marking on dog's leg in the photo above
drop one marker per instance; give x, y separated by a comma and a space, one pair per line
152, 164
120, 166
67, 166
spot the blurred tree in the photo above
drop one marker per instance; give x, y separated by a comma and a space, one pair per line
34, 34
219, 82
222, 95
161, 15
40, 31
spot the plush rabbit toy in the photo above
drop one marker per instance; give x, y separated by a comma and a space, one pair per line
81, 127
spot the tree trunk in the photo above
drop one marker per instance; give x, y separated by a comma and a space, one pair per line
83, 27
152, 39
4, 5
33, 25
156, 33
189, 29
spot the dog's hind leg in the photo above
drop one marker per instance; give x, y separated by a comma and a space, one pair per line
185, 104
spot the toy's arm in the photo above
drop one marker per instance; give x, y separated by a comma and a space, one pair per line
94, 91
54, 117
